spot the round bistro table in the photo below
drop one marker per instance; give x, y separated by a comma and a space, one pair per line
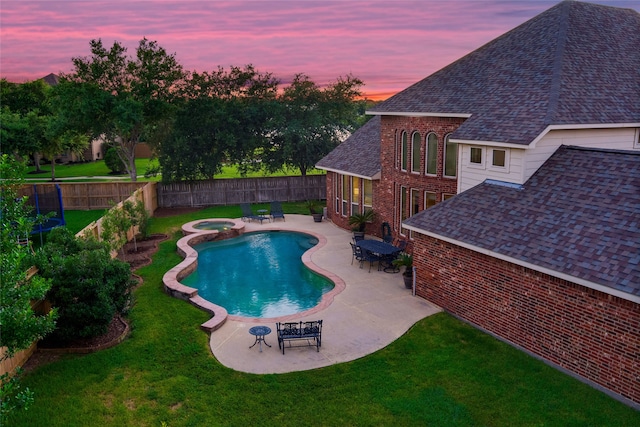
259, 332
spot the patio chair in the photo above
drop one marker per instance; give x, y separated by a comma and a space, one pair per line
401, 245
387, 237
371, 257
356, 253
247, 213
276, 211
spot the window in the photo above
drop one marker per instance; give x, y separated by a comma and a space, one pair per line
446, 196
403, 208
429, 199
636, 143
499, 158
367, 197
415, 201
355, 195
450, 157
396, 150
431, 162
415, 153
403, 152
345, 193
476, 155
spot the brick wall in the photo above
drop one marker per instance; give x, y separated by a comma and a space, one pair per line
393, 178
590, 333
384, 191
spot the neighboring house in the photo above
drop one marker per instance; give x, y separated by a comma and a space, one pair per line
538, 133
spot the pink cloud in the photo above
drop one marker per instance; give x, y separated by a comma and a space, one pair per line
389, 45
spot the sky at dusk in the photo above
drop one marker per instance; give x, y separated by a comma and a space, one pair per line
388, 44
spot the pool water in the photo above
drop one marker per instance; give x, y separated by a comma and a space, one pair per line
214, 225
258, 274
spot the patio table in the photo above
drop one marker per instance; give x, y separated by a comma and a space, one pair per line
386, 251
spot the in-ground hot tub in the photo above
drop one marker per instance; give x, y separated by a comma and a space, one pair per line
213, 224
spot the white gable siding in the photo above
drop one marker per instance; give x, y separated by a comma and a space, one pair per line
471, 175
614, 139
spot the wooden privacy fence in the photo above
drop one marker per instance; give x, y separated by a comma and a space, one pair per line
242, 190
84, 196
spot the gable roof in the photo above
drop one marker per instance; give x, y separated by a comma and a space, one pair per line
577, 217
358, 155
574, 64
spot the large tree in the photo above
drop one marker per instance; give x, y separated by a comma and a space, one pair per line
225, 116
25, 115
35, 122
312, 121
134, 102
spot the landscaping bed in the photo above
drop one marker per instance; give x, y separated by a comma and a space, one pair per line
136, 255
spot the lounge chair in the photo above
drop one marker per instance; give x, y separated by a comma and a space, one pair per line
248, 215
276, 211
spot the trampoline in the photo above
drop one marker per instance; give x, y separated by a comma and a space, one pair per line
45, 199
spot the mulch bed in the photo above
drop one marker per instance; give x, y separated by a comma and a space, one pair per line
137, 255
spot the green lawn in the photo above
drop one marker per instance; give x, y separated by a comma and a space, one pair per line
441, 372
99, 169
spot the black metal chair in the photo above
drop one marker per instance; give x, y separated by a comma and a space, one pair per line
276, 211
387, 237
356, 252
371, 257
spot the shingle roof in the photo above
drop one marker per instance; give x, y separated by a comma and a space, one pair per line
579, 215
576, 63
357, 155
51, 79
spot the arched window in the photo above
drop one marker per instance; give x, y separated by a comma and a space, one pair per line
450, 157
415, 152
396, 149
404, 152
431, 161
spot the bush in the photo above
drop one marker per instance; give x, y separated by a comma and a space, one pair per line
113, 162
89, 287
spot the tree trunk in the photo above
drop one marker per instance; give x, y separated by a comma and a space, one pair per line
36, 162
53, 168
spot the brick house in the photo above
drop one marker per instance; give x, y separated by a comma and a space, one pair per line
537, 134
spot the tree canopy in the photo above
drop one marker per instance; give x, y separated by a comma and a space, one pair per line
130, 98
194, 122
33, 123
312, 121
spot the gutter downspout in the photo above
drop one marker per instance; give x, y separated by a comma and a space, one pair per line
413, 271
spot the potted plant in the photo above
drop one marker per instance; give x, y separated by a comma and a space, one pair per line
315, 209
358, 221
405, 260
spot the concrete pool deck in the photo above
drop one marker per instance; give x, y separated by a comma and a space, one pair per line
373, 310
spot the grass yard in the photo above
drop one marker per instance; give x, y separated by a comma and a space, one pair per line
99, 169
441, 372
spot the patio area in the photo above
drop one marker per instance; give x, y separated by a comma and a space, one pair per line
373, 310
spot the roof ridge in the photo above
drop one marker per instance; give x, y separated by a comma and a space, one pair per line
601, 150
556, 80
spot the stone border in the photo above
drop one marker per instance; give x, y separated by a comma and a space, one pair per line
172, 285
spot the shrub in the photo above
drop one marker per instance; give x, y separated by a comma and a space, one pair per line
89, 287
113, 162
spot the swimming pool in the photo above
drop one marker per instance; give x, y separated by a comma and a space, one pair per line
258, 274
